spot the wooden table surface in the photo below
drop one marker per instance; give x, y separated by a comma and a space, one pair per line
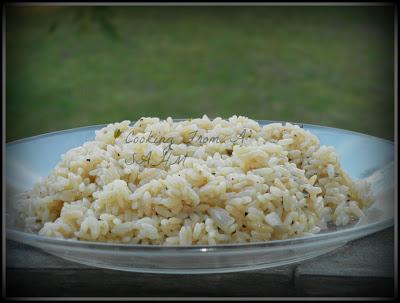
364, 267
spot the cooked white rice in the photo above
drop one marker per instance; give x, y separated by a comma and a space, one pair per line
226, 181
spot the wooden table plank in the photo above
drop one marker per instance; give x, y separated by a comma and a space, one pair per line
348, 271
364, 266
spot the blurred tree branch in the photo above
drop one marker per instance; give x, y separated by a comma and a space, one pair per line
85, 17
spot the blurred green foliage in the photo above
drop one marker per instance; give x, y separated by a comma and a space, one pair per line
84, 17
75, 66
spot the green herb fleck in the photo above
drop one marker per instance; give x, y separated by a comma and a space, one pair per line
117, 133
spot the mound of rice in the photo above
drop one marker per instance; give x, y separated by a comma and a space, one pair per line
268, 182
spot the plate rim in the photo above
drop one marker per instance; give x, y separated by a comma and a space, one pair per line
16, 235
260, 121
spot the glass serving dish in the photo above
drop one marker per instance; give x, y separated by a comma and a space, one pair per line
362, 157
